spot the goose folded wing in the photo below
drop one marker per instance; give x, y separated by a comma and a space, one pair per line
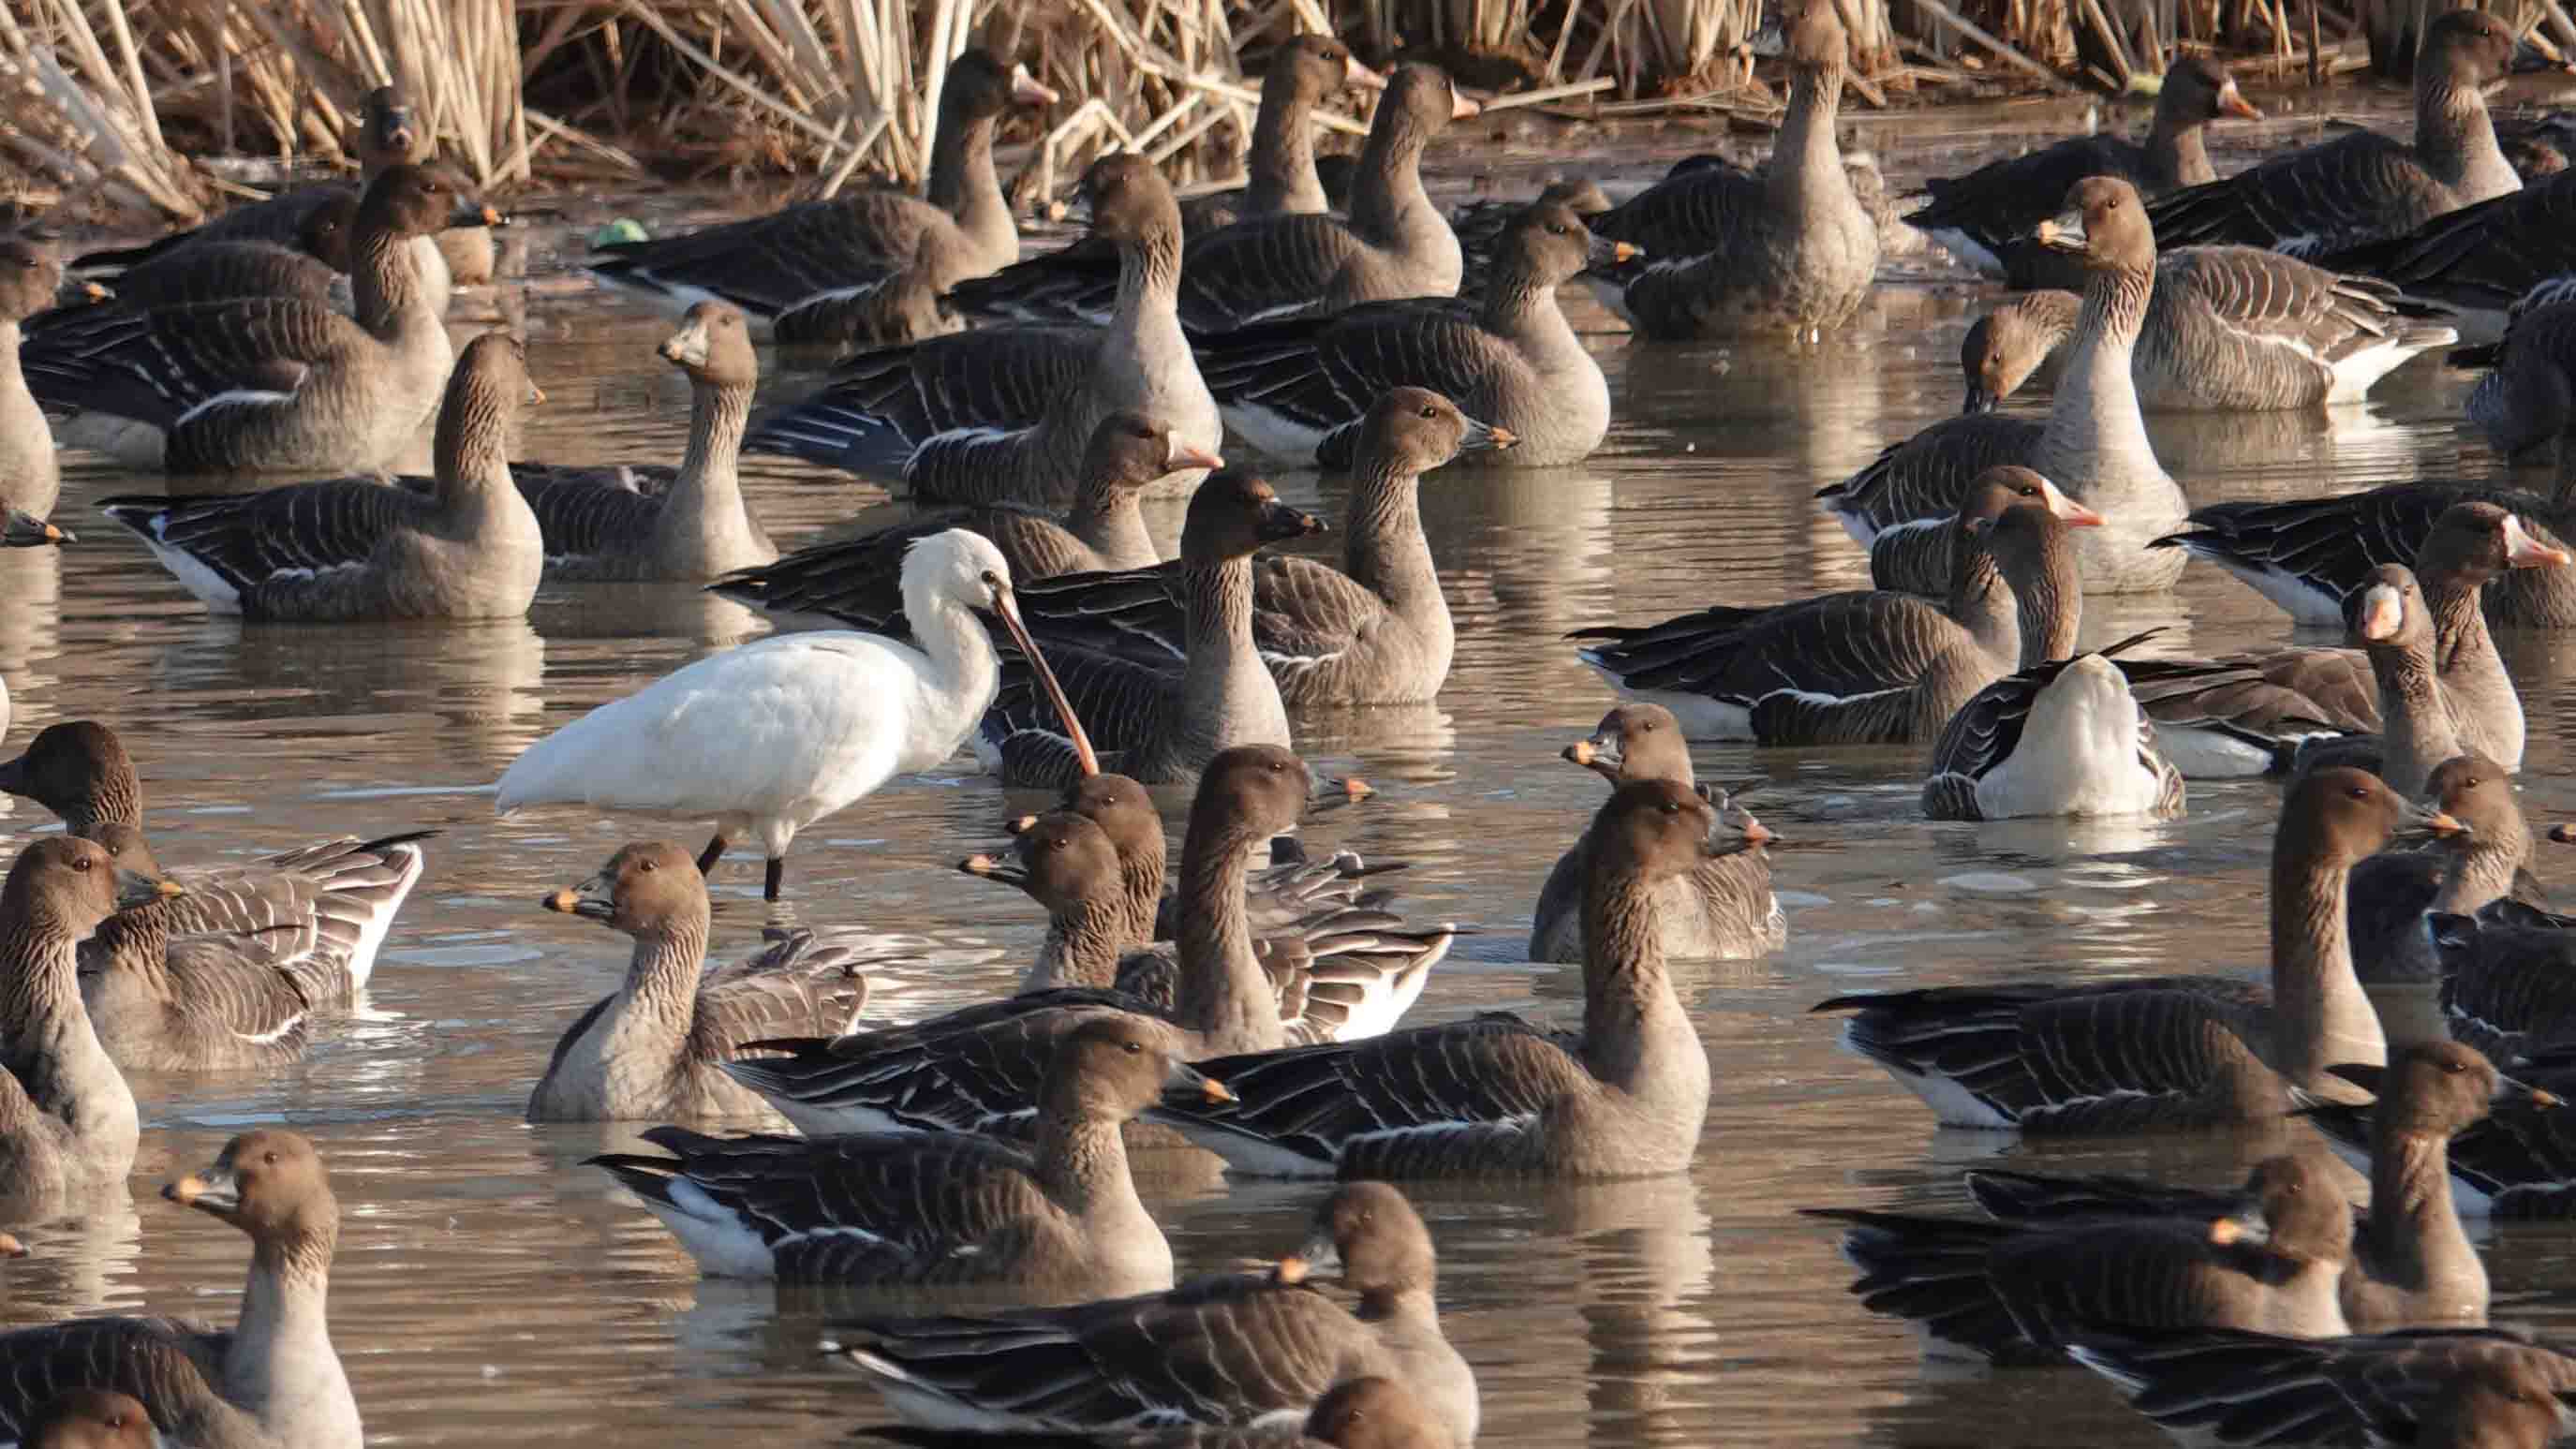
2005, 201
231, 978
2332, 542
1988, 728
157, 365
163, 1363
1697, 212
1002, 377
1135, 614
298, 532
1327, 370
2275, 301
579, 513
1928, 475
1076, 283
1263, 269
1123, 706
766, 264
2057, 1197
1305, 613
2488, 254
800, 983
2311, 202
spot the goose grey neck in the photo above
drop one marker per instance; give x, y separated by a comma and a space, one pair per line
1222, 992
2484, 872
662, 975
1083, 941
1807, 163
41, 982
1633, 1026
2323, 1018
1223, 678
1520, 302
718, 414
1414, 1304
114, 798
1387, 192
285, 1312
961, 161
2414, 1228
472, 451
2095, 433
1149, 276
2049, 608
1386, 552
384, 280
1982, 603
1106, 518
2455, 599
1080, 1157
1283, 177
2177, 147
2415, 726
2455, 138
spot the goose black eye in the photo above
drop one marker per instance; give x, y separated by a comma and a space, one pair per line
1134, 1048
2455, 1068
645, 866
269, 1157
80, 862
2359, 792
1670, 807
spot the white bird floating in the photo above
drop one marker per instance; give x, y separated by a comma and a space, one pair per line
773, 736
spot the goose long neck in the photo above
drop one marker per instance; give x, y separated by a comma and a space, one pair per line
1807, 163
2484, 872
1149, 277
1981, 601
384, 280
283, 1338
2456, 600
2414, 1228
2324, 1017
114, 797
718, 415
2049, 607
2177, 145
42, 981
1520, 303
962, 180
1222, 993
46, 1038
1386, 552
472, 449
2094, 426
1415, 1304
1223, 681
662, 974
2415, 723
1105, 516
1083, 941
1636, 1036
2456, 139
138, 941
1081, 1157
1283, 177
1388, 192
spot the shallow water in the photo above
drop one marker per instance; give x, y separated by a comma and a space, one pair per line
489, 1289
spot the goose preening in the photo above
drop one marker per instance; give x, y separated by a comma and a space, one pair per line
1060, 1222
1395, 244
1004, 414
860, 579
978, 1068
1624, 1097
695, 525
2127, 1055
465, 546
2486, 1388
2395, 894
67, 1120
1232, 1350
31, 479
2017, 1292
655, 1049
1867, 666
2362, 185
2094, 444
323, 910
773, 735
810, 251
1303, 388
2228, 329
1986, 218
273, 1379
2061, 738
1728, 254
1723, 907
267, 385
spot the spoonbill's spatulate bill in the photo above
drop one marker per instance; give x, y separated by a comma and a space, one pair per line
773, 736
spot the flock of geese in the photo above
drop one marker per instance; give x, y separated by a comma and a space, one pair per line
1246, 1000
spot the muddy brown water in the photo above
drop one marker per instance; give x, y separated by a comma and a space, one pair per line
491, 1290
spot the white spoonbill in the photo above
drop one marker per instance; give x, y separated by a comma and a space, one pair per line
772, 736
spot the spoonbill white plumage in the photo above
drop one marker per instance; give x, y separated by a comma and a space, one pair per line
772, 736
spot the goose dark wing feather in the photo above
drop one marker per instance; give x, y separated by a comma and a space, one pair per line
2005, 201
766, 264
1305, 613
1001, 377
163, 1363
251, 538
2053, 1197
581, 517
2352, 189
1983, 734
2509, 983
2332, 542
1124, 706
1264, 268
155, 364
1694, 213
278, 220
2484, 255
1928, 475
1073, 283
213, 271
800, 983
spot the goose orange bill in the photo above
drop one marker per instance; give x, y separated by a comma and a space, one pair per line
2523, 551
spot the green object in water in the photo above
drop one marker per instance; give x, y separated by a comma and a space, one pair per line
624, 229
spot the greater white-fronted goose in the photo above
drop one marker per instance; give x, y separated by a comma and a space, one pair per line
1395, 244
1625, 1097
2126, 1055
696, 526
324, 909
2418, 728
2394, 895
1928, 548
2361, 185
67, 1121
2228, 329
908, 304
776, 734
1059, 1223
859, 580
1722, 908
1280, 178
31, 479
1986, 217
275, 1367
1004, 414
2488, 1388
655, 1048
2062, 738
1340, 975
768, 264
978, 1068
1153, 721
2094, 444
1303, 388
2016, 1293
1865, 667
464, 547
1232, 1350
267, 385
1791, 253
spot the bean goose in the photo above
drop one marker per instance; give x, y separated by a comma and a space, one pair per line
276, 1379
2361, 185
1622, 1098
1482, 225
1264, 268
1986, 217
1791, 252
655, 1047
1059, 1223
776, 734
2094, 444
697, 525
267, 385
1339, 975
905, 305
860, 579
1368, 1412
978, 1068
768, 264
465, 546
1280, 178
324, 908
1863, 667
2017, 1292
1303, 388
2418, 730
2418, 1389
2394, 895
1004, 414
1226, 1351
2066, 737
31, 478
2077, 1058
67, 1121
163, 998
1723, 907
2228, 329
